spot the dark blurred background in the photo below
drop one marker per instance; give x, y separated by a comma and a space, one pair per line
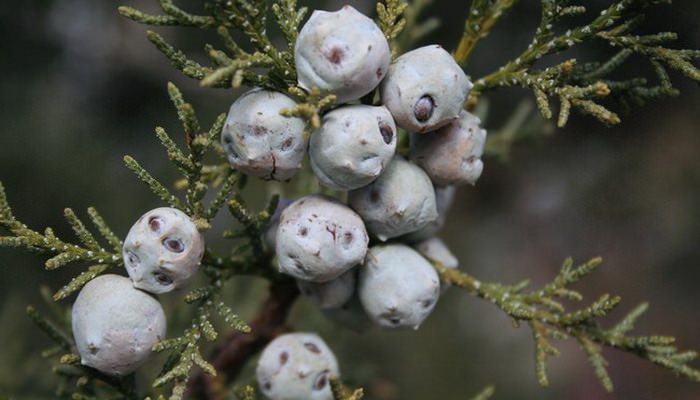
81, 87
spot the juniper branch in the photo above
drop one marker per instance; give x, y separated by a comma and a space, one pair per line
485, 393
583, 88
310, 106
231, 356
185, 350
105, 230
246, 393
342, 392
525, 123
289, 18
253, 226
483, 15
175, 16
198, 177
414, 28
548, 319
391, 20
238, 67
60, 252
178, 59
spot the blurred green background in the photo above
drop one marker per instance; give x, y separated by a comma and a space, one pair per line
81, 87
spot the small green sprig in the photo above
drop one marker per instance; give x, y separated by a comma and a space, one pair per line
197, 176
174, 16
525, 123
583, 88
245, 393
342, 392
485, 393
185, 350
549, 320
289, 17
310, 106
265, 65
415, 28
185, 353
483, 15
59, 252
391, 20
198, 179
250, 257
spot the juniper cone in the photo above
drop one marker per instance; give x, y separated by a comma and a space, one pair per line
400, 201
397, 286
435, 250
270, 236
163, 250
452, 154
342, 52
425, 89
259, 141
115, 325
351, 316
297, 366
301, 74
331, 294
319, 239
353, 146
444, 197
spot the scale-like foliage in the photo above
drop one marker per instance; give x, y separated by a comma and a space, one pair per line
204, 169
580, 87
549, 320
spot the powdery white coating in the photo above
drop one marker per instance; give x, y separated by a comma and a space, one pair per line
115, 325
342, 52
351, 315
270, 236
400, 201
444, 196
261, 142
452, 154
297, 366
319, 238
331, 294
353, 146
425, 89
434, 249
163, 250
397, 286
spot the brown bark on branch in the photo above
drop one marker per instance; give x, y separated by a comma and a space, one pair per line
230, 358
